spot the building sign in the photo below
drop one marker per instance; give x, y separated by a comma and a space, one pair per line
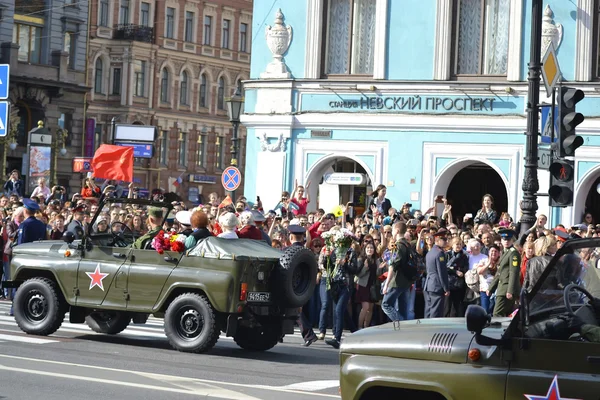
344, 178
139, 150
82, 164
90, 132
418, 103
451, 104
202, 179
193, 195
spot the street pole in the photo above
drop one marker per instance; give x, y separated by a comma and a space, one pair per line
234, 151
530, 178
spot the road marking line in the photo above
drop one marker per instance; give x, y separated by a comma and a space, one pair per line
148, 375
25, 339
313, 386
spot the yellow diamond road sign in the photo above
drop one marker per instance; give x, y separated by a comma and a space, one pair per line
550, 69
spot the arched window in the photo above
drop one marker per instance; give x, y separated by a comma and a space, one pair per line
239, 86
183, 89
203, 99
164, 86
220, 93
98, 76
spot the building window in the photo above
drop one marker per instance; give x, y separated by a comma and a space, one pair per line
220, 94
103, 18
203, 101
70, 46
116, 86
145, 14
350, 36
124, 12
189, 26
29, 39
98, 76
164, 143
225, 35
164, 86
182, 149
481, 37
239, 86
208, 30
220, 152
183, 89
201, 150
170, 34
140, 78
244, 38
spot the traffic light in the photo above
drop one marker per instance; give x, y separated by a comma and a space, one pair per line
562, 183
569, 118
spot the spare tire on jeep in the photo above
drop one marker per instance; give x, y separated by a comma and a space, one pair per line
295, 276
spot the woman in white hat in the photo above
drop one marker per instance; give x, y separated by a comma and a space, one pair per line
228, 223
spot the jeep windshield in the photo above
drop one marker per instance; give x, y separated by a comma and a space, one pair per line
576, 263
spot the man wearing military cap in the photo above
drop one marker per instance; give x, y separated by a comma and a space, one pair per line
76, 225
31, 229
435, 289
506, 283
155, 217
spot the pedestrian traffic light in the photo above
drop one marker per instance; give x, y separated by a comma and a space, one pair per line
569, 118
561, 183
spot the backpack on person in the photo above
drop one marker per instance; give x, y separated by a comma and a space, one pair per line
414, 265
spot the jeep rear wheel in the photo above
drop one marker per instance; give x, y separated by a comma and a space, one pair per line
190, 323
260, 338
296, 276
108, 322
37, 307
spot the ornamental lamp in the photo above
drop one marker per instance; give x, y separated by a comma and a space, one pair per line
235, 104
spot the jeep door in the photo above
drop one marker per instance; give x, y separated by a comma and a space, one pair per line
575, 365
147, 273
101, 281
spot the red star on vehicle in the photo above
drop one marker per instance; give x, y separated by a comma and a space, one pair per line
553, 393
96, 278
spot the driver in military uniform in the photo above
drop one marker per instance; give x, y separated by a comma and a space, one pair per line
506, 283
155, 217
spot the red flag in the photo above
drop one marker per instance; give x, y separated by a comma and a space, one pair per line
113, 162
226, 201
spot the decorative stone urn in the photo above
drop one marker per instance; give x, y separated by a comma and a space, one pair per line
279, 37
551, 31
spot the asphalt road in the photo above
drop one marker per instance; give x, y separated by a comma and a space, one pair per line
77, 363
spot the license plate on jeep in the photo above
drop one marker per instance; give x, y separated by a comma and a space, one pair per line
260, 297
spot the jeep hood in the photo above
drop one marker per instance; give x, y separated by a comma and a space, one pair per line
440, 339
39, 248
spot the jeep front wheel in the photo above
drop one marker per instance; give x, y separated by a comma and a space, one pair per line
108, 322
37, 307
260, 338
190, 323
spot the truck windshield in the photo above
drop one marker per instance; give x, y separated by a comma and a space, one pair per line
580, 268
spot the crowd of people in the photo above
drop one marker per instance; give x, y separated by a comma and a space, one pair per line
377, 265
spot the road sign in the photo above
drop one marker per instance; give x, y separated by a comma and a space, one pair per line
546, 127
544, 158
231, 178
141, 150
550, 69
4, 77
4, 110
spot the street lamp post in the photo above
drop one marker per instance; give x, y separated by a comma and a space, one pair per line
530, 178
59, 147
235, 105
9, 142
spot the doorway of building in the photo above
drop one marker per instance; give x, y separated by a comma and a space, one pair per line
592, 204
468, 187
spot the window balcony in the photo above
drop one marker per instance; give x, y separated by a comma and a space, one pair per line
137, 33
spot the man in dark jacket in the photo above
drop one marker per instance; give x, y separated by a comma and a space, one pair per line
435, 289
396, 297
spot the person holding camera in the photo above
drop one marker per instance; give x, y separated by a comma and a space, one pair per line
90, 189
14, 185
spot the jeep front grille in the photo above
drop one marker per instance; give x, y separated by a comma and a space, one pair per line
442, 342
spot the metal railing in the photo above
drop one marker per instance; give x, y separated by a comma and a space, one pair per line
138, 33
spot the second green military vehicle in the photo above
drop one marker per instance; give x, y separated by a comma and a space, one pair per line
242, 287
549, 350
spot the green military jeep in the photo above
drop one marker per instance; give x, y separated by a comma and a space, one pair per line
539, 354
242, 287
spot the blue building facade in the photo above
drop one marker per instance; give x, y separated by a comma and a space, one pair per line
427, 97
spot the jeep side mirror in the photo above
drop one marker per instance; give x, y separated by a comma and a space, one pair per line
68, 237
477, 319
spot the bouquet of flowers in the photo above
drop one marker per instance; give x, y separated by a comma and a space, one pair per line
168, 241
338, 240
